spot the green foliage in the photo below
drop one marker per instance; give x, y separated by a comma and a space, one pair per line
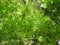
22, 23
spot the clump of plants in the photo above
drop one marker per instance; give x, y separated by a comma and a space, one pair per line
29, 22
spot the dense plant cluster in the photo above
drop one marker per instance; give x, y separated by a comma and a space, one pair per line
29, 22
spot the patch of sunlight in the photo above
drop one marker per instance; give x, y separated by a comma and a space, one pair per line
40, 38
4, 11
43, 0
59, 42
18, 11
43, 5
51, 2
4, 42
